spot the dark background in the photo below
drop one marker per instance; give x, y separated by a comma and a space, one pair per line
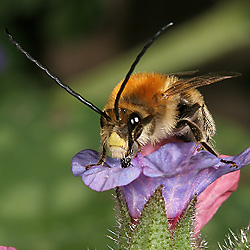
91, 45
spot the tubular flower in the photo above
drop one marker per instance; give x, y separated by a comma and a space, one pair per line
181, 171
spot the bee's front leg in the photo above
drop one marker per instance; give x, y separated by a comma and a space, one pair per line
102, 158
126, 161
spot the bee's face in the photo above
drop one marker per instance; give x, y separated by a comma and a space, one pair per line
121, 135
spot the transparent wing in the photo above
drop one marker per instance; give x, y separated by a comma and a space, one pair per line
183, 85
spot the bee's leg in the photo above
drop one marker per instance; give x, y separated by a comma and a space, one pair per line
198, 135
102, 158
132, 142
126, 161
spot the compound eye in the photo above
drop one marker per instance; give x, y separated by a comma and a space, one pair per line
133, 121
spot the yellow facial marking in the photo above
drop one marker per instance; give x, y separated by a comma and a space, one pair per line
116, 141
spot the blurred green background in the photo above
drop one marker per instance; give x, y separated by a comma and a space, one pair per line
90, 45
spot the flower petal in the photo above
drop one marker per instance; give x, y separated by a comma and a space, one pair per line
87, 157
174, 158
102, 178
182, 176
213, 196
105, 178
138, 192
180, 168
7, 248
170, 156
241, 159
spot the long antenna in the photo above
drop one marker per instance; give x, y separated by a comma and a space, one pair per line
55, 78
139, 56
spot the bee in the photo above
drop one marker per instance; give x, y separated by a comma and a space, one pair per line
154, 108
150, 109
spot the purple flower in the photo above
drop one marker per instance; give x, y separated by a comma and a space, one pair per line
181, 170
213, 196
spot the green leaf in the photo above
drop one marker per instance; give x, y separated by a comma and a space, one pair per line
123, 221
152, 230
183, 233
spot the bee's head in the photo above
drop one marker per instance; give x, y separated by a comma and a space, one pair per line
123, 136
